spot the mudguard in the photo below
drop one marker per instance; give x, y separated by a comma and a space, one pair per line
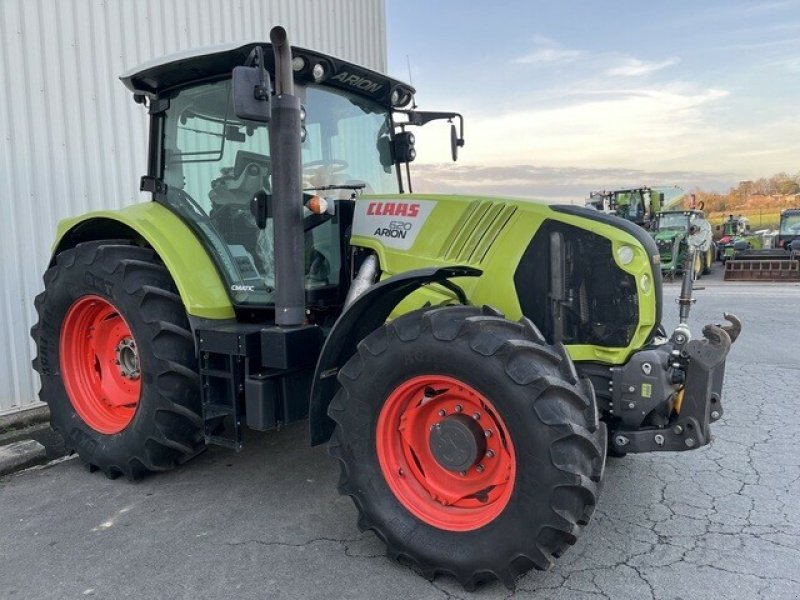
367, 313
199, 284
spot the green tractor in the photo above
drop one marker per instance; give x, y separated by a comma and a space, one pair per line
747, 258
672, 231
736, 238
638, 205
468, 360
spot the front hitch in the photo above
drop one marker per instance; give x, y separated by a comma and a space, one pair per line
698, 402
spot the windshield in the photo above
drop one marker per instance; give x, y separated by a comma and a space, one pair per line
790, 225
673, 221
215, 164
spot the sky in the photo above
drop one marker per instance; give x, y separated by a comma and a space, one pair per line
562, 97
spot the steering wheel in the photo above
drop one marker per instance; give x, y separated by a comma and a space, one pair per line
335, 165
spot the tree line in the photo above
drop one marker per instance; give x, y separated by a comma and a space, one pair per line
780, 190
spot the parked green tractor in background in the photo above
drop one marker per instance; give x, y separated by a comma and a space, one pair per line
468, 359
736, 237
747, 258
638, 205
672, 231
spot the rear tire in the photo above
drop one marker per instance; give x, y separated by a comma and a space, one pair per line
554, 448
163, 426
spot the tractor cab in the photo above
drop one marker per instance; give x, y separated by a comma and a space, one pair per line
789, 230
639, 205
736, 225
215, 168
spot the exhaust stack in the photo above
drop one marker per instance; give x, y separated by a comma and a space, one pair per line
287, 192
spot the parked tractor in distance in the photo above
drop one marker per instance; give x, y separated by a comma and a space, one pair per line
736, 236
468, 359
746, 258
788, 238
672, 231
638, 205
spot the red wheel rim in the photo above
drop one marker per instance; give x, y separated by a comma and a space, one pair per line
452, 500
100, 364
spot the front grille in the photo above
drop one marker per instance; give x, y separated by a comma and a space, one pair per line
599, 304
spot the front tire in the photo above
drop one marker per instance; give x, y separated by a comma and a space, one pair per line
117, 361
468, 503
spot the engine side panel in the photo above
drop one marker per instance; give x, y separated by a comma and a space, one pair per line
492, 234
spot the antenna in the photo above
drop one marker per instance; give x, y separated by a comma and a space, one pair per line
411, 83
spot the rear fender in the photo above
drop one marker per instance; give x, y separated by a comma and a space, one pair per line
367, 313
199, 284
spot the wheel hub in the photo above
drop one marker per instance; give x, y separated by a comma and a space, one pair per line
457, 442
128, 358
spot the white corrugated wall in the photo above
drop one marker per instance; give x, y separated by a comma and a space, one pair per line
71, 138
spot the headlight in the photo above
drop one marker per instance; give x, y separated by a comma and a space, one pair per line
625, 254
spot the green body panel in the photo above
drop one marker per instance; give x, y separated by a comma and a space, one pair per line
492, 234
673, 253
198, 282
755, 241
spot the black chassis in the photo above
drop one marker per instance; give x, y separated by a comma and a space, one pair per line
261, 374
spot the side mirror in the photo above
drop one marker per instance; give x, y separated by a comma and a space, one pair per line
251, 90
455, 142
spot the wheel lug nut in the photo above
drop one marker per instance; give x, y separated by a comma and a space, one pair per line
458, 408
490, 453
477, 416
401, 472
463, 473
442, 412
479, 468
488, 433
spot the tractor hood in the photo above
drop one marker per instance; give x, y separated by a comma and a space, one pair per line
506, 239
669, 235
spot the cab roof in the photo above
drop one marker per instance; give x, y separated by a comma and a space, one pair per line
683, 211
161, 75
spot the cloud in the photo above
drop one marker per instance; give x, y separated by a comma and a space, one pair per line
549, 56
633, 67
569, 185
635, 127
548, 51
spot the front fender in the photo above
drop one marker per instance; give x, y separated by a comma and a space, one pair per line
199, 284
367, 313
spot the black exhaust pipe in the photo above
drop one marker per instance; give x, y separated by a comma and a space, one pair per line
287, 189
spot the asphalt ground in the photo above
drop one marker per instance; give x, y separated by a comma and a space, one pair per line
719, 522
